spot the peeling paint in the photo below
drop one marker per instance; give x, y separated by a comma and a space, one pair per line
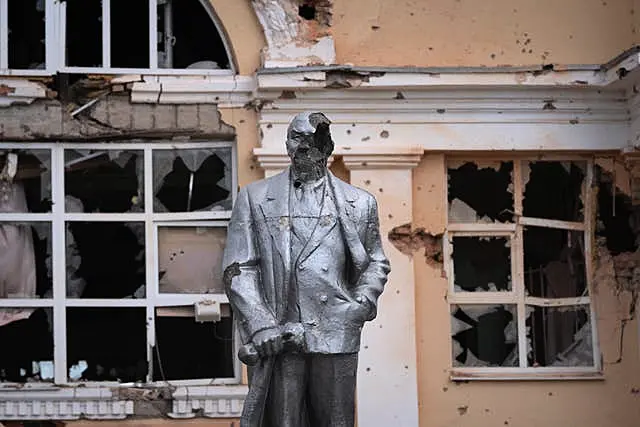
409, 241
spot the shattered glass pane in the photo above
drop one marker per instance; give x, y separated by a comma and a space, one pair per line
484, 335
25, 260
105, 260
107, 344
182, 25
26, 34
190, 259
28, 352
186, 349
480, 193
192, 180
84, 33
481, 263
554, 263
553, 190
103, 181
559, 336
25, 181
129, 34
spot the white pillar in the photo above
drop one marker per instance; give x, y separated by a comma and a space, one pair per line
387, 373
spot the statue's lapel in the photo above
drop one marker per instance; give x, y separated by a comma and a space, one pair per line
275, 208
326, 222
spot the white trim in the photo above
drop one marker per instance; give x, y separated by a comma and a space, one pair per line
21, 91
106, 33
520, 374
153, 35
4, 35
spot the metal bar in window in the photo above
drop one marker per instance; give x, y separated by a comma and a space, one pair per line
556, 302
153, 34
168, 34
517, 274
106, 36
151, 257
552, 223
4, 34
482, 227
59, 267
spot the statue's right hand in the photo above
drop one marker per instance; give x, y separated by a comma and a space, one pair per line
268, 342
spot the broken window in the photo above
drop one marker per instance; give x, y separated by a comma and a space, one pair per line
519, 227
480, 192
481, 263
484, 335
101, 235
190, 259
191, 180
122, 34
26, 34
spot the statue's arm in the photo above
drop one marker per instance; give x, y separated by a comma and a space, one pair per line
241, 266
371, 282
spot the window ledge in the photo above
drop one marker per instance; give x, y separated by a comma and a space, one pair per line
533, 374
101, 403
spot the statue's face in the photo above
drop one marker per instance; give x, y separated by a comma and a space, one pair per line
309, 146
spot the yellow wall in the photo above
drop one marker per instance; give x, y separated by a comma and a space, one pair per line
611, 402
469, 32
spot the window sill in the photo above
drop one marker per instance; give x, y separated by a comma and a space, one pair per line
530, 374
101, 403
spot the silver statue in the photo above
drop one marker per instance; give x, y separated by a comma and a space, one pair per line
303, 270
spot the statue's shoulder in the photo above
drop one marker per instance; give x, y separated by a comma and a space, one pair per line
258, 189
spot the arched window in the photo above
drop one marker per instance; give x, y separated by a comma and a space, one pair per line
112, 36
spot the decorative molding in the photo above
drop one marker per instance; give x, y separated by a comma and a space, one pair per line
20, 91
63, 404
225, 91
213, 401
276, 159
381, 157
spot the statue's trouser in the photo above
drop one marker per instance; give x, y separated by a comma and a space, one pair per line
315, 390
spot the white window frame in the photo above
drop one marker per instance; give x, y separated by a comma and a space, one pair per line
55, 45
516, 296
153, 299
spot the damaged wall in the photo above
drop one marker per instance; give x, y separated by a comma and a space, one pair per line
445, 403
472, 33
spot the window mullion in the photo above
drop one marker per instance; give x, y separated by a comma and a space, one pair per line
106, 34
151, 259
517, 264
59, 266
4, 34
589, 217
153, 34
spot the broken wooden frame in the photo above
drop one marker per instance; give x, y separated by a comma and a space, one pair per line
152, 302
517, 295
55, 42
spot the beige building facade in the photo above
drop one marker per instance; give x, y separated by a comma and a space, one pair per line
499, 138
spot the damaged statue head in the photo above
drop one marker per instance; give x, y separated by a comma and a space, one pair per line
303, 270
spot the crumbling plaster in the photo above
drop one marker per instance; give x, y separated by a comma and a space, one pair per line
445, 403
472, 33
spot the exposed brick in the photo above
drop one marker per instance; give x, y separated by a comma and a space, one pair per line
42, 119
165, 117
209, 118
143, 116
120, 112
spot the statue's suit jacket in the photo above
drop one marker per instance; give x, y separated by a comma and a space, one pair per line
259, 271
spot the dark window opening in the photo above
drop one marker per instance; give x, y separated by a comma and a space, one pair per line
553, 190
186, 349
107, 344
559, 336
484, 335
554, 263
188, 37
307, 11
26, 36
615, 216
129, 34
105, 260
192, 180
103, 181
27, 355
481, 194
482, 263
84, 33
